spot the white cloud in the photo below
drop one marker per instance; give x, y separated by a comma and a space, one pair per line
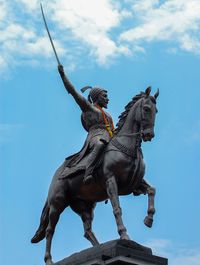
2, 11
190, 44
177, 255
90, 22
84, 24
144, 5
159, 246
20, 42
16, 31
188, 257
173, 21
101, 30
2, 62
29, 4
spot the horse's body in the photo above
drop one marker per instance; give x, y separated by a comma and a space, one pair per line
120, 172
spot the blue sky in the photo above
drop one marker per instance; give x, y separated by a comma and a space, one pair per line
123, 46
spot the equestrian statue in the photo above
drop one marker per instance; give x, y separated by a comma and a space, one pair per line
109, 165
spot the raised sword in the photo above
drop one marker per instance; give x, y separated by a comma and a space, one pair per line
52, 44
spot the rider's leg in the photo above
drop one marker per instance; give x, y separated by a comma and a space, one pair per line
92, 160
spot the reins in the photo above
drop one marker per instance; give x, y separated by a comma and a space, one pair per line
129, 134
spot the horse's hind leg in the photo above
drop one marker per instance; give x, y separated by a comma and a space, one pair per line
112, 191
148, 221
54, 214
86, 211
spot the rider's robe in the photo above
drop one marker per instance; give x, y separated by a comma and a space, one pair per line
94, 123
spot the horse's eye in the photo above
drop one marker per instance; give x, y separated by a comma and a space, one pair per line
147, 108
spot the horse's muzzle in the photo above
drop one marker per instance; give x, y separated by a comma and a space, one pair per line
147, 135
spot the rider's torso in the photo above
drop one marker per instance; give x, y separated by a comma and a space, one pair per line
93, 121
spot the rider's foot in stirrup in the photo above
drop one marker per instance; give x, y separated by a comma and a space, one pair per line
88, 179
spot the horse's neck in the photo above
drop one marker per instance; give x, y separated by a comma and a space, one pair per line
129, 132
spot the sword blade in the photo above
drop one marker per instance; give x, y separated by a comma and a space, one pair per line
52, 44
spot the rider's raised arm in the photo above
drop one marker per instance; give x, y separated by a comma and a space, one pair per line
80, 100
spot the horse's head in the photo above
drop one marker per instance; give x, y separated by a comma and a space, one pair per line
146, 114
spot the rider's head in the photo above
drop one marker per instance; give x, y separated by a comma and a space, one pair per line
98, 95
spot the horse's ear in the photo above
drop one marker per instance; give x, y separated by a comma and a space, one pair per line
157, 94
148, 91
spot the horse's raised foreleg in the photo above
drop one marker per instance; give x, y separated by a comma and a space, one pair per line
112, 191
148, 221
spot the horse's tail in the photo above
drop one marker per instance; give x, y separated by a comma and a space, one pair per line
44, 219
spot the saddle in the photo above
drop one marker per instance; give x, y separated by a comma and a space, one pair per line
69, 171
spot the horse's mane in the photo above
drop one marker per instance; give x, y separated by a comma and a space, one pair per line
122, 117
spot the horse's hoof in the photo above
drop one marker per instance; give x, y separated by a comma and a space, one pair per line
125, 236
148, 221
49, 262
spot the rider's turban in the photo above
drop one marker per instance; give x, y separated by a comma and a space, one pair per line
94, 92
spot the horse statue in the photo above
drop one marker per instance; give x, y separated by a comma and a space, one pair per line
120, 171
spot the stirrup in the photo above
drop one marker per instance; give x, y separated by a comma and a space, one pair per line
88, 179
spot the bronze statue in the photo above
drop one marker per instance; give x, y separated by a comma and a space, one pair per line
120, 171
110, 164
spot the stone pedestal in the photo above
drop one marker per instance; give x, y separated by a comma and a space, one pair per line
116, 252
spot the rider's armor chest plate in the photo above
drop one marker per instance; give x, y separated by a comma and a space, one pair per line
93, 119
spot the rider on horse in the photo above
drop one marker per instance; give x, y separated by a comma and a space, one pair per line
96, 122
